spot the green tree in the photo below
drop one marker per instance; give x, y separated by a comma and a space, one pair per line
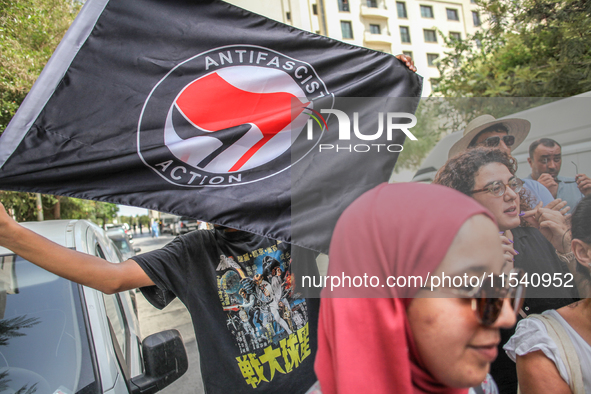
531, 48
427, 131
104, 211
30, 30
144, 220
22, 206
530, 53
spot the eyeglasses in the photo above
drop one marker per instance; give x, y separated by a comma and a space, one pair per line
557, 159
497, 188
493, 142
487, 300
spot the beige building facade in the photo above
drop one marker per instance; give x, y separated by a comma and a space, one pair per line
393, 26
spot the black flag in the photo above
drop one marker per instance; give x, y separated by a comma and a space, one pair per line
202, 109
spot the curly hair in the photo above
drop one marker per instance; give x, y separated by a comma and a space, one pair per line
581, 220
460, 172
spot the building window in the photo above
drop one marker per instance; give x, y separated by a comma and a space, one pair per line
430, 35
404, 34
431, 57
427, 11
476, 18
401, 9
375, 29
372, 3
455, 36
288, 15
452, 14
346, 29
344, 5
407, 53
315, 9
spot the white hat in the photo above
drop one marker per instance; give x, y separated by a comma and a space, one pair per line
519, 128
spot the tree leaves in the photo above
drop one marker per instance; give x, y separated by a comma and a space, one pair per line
531, 48
30, 30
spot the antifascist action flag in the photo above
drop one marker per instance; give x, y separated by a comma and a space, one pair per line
202, 109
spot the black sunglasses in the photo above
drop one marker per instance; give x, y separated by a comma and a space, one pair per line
487, 300
493, 142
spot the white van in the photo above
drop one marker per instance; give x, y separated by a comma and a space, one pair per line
567, 121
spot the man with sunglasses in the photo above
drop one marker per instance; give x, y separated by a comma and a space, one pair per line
545, 160
503, 134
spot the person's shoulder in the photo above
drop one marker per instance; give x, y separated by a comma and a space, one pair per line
197, 238
534, 185
529, 182
197, 234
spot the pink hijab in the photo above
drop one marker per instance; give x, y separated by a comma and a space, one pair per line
365, 343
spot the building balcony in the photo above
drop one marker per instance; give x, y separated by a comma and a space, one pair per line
370, 38
374, 12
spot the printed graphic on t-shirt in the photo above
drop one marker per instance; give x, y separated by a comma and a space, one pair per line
267, 318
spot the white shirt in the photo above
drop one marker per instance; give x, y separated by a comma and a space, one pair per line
531, 335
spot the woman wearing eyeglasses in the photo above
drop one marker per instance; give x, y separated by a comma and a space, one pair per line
553, 351
487, 175
387, 330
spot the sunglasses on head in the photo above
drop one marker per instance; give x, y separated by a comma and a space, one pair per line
488, 299
493, 142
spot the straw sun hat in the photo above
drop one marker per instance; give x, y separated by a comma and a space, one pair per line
519, 128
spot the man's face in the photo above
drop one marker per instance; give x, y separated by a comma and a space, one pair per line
546, 161
500, 134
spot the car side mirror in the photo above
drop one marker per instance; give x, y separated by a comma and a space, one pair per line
137, 250
165, 360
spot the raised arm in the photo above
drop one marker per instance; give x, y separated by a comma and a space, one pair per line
78, 267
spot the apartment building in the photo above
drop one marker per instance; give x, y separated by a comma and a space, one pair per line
393, 26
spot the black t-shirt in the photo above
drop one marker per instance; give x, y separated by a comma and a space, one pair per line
255, 332
538, 257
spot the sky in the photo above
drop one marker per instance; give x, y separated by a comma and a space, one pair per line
125, 210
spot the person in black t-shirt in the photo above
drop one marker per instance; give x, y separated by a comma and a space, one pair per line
232, 285
243, 345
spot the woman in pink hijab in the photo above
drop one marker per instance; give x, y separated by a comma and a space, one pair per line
381, 331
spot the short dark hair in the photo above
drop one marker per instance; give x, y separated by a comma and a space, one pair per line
547, 142
581, 220
494, 127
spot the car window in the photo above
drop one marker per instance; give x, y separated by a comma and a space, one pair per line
43, 332
119, 325
119, 255
122, 244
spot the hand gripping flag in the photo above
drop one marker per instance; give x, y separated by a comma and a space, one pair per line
202, 109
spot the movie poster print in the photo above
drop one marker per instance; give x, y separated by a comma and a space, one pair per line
266, 316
